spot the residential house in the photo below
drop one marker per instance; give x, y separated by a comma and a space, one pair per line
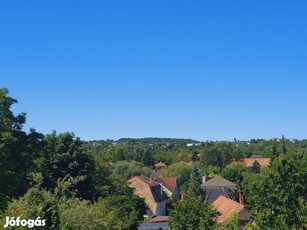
152, 192
170, 186
227, 208
215, 187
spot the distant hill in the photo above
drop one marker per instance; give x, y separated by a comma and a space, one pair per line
156, 140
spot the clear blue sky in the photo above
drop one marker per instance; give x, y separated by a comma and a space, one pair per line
207, 69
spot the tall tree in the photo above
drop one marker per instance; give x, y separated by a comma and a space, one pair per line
147, 158
233, 223
234, 172
195, 189
278, 197
64, 160
274, 149
17, 150
283, 142
180, 170
256, 167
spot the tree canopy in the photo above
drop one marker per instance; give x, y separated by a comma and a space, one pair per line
192, 214
278, 197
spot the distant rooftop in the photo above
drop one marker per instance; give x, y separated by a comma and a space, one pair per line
160, 164
262, 161
218, 182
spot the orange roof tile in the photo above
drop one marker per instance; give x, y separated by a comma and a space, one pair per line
262, 161
226, 208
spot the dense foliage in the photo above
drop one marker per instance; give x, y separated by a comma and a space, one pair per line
278, 196
83, 185
192, 214
53, 177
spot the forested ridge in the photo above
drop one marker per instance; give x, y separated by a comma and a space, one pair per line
76, 184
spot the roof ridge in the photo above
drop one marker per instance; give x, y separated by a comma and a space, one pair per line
148, 181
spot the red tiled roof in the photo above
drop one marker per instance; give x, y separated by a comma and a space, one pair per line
160, 164
159, 219
262, 161
170, 183
226, 208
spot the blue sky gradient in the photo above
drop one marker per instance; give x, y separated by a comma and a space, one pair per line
207, 70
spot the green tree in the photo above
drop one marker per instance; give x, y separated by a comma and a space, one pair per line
147, 159
234, 172
278, 196
211, 157
233, 223
76, 214
35, 203
192, 214
194, 156
195, 189
181, 171
113, 213
274, 149
256, 167
127, 211
119, 154
210, 170
64, 160
283, 143
17, 150
127, 169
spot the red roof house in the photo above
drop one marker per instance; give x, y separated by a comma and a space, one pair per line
170, 186
152, 192
227, 207
250, 161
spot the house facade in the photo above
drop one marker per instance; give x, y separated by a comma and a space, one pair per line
170, 186
152, 192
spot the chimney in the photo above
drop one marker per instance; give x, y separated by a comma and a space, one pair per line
241, 197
